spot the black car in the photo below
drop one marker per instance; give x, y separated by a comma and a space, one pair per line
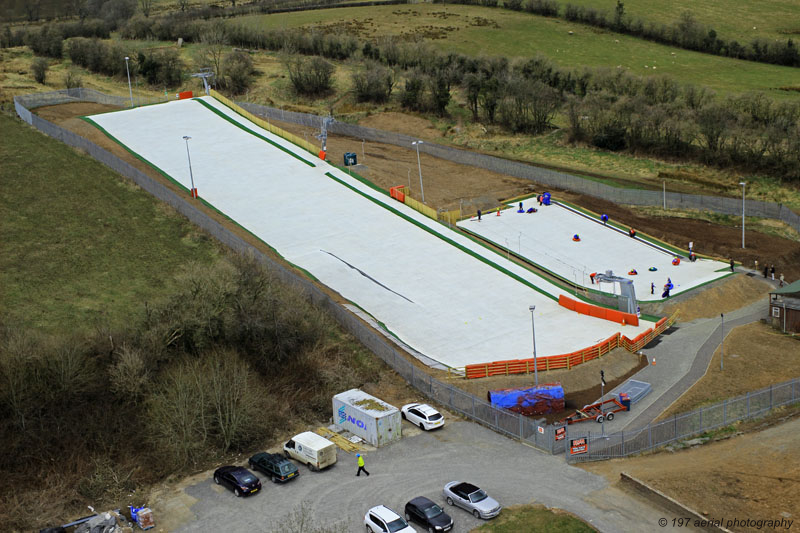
237, 478
423, 511
276, 466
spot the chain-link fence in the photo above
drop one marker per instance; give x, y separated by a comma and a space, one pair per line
725, 413
543, 176
455, 399
511, 424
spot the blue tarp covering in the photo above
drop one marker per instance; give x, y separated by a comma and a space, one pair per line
547, 398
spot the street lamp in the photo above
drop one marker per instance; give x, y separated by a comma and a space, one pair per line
128, 70
422, 191
721, 341
535, 366
742, 183
191, 177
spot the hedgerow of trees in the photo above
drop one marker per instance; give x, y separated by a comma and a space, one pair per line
207, 371
606, 108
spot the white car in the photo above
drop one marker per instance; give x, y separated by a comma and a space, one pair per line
422, 415
381, 519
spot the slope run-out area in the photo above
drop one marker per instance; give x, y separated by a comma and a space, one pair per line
441, 293
546, 239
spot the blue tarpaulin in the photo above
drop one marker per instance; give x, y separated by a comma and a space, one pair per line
547, 398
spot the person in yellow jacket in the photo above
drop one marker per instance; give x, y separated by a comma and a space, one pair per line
361, 465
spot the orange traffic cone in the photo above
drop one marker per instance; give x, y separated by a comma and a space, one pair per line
654, 361
498, 211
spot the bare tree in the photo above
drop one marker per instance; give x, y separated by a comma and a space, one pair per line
32, 8
147, 6
183, 4
213, 42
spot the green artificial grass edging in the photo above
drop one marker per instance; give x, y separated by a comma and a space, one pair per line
642, 236
238, 112
207, 204
365, 181
248, 130
446, 239
475, 236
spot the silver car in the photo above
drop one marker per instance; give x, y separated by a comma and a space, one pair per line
471, 498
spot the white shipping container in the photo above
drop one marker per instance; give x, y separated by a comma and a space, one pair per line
364, 415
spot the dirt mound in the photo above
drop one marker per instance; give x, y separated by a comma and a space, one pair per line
708, 302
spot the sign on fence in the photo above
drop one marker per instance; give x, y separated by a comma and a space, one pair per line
561, 433
578, 446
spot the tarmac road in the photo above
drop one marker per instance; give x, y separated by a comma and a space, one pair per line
419, 465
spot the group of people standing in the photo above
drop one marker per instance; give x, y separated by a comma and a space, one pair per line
769, 271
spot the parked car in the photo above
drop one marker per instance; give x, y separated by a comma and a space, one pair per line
422, 415
471, 498
426, 513
311, 449
275, 466
381, 519
237, 478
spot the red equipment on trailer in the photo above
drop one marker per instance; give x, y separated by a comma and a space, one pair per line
596, 411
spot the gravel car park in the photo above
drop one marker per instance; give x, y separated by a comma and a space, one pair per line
418, 465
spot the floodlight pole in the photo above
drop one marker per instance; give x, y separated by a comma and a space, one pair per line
422, 190
722, 341
743, 183
128, 70
191, 177
532, 308
664, 194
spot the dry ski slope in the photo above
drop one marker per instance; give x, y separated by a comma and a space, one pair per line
546, 238
441, 293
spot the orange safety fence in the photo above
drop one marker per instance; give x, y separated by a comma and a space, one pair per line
398, 193
555, 362
644, 338
598, 312
543, 364
184, 95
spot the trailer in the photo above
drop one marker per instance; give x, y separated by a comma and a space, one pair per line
599, 412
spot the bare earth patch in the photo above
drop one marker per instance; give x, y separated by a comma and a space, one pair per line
755, 357
732, 293
755, 475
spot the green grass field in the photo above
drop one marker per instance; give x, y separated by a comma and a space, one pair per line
731, 19
79, 243
486, 31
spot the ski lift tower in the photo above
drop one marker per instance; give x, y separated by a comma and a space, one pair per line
627, 293
323, 135
205, 73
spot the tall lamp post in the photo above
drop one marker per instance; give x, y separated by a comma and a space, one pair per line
191, 177
128, 70
742, 183
422, 190
535, 366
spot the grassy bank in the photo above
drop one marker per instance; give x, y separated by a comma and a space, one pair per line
478, 31
81, 245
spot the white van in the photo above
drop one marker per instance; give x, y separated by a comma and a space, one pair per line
315, 451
